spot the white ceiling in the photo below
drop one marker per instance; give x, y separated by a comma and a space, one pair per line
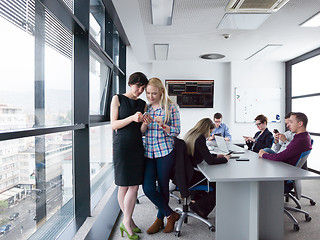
194, 31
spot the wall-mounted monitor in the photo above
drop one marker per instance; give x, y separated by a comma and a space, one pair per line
191, 93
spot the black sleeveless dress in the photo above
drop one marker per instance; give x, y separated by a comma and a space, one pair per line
128, 151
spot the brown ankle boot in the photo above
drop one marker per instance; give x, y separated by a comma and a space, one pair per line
156, 226
170, 222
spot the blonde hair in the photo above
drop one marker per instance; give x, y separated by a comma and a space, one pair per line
202, 127
165, 101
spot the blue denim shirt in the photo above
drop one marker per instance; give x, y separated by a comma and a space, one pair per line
223, 130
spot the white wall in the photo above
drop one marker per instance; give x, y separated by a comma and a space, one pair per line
256, 74
227, 77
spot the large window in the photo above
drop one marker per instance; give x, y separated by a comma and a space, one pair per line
36, 182
57, 82
303, 90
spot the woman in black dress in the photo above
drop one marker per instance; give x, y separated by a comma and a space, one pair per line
128, 153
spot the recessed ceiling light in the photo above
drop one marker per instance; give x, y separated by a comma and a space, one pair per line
161, 51
212, 56
162, 11
313, 21
264, 51
246, 21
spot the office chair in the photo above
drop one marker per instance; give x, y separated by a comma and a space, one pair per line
182, 178
297, 192
292, 193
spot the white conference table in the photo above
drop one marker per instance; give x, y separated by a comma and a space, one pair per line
250, 200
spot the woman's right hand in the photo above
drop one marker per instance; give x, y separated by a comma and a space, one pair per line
147, 119
137, 117
227, 157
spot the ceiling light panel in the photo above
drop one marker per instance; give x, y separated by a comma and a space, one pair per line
243, 21
264, 51
161, 52
313, 21
162, 11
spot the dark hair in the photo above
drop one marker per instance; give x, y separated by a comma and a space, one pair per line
217, 116
262, 118
138, 78
288, 115
301, 117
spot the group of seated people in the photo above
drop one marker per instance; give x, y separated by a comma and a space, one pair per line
284, 147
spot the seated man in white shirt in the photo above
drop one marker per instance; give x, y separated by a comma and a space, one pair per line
281, 140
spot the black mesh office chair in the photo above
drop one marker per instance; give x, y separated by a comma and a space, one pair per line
182, 178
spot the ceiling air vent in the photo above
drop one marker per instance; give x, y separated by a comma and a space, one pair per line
256, 6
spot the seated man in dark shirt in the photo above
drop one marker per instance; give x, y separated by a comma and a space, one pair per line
301, 142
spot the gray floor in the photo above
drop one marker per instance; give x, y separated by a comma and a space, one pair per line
145, 214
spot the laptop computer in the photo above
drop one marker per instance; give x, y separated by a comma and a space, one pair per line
223, 148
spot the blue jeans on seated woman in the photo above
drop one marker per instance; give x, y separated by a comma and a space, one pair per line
269, 150
159, 169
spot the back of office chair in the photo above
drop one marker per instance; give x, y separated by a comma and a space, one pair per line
183, 170
297, 183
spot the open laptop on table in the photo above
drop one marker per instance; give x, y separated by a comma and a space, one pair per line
223, 147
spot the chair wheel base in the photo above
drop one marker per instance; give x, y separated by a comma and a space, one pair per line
296, 227
308, 218
212, 229
177, 233
312, 202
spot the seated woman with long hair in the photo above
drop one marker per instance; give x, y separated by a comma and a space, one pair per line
197, 150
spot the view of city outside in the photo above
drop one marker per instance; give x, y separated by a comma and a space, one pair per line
35, 172
307, 74
34, 190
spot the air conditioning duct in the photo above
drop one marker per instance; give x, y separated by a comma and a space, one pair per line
256, 6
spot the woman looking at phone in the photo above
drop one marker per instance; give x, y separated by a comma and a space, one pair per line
263, 138
128, 153
160, 124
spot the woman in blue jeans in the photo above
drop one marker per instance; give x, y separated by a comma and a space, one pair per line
160, 125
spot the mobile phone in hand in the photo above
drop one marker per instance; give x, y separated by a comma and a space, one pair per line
275, 131
146, 114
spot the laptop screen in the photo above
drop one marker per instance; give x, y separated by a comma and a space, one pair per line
222, 145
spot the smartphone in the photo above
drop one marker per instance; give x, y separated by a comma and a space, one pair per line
146, 114
242, 159
229, 153
275, 131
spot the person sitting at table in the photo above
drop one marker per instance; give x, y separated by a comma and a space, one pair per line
263, 138
301, 142
197, 150
281, 140
221, 129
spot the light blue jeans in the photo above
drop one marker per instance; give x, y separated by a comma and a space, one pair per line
269, 150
